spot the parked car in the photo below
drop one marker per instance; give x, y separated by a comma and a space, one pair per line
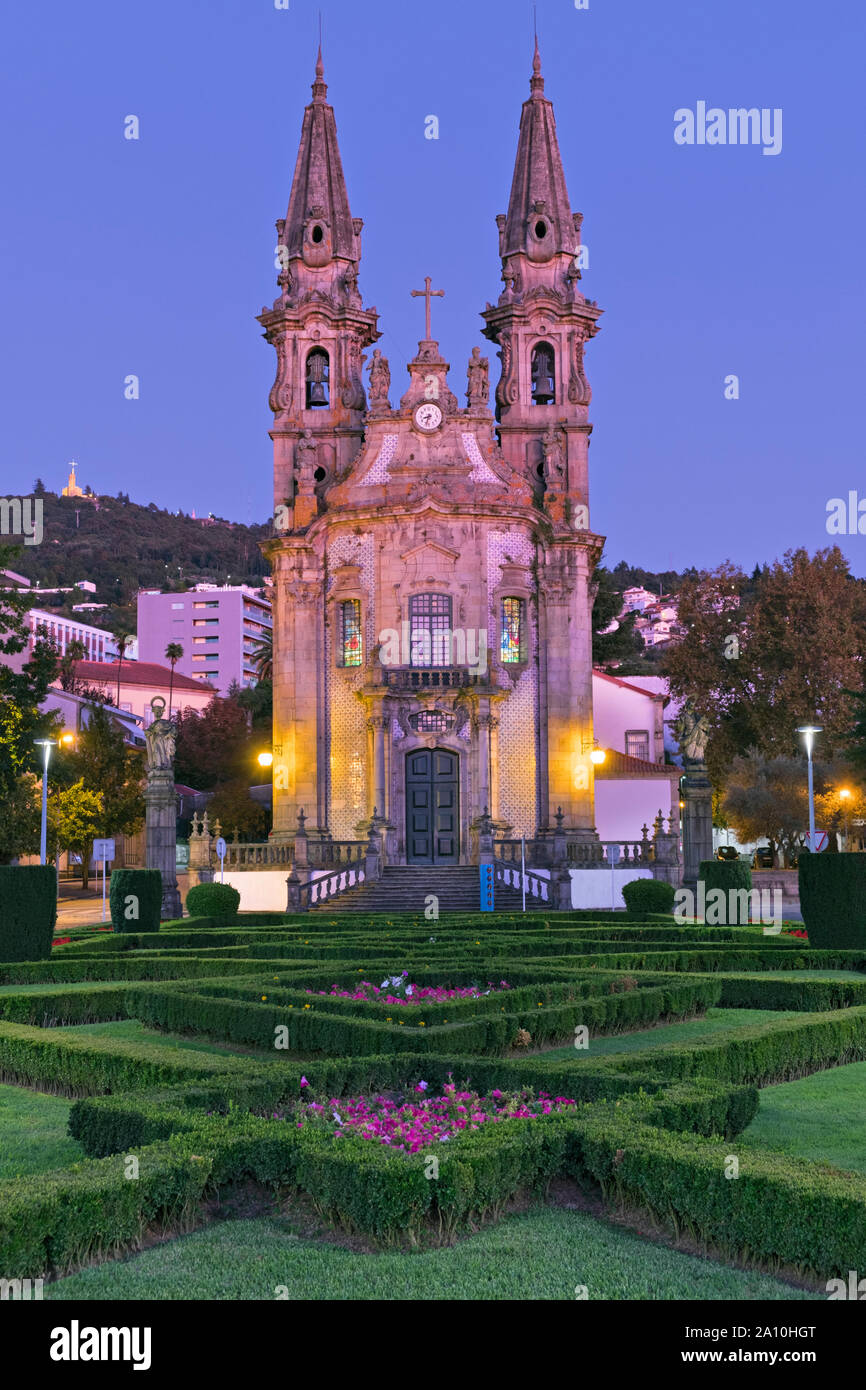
727, 852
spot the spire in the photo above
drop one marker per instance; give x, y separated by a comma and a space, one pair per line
318, 187
539, 217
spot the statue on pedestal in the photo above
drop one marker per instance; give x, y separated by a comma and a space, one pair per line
161, 806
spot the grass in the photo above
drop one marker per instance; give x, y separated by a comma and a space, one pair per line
692, 1030
820, 1117
543, 1254
33, 1136
130, 1030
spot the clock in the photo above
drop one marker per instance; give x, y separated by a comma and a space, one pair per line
428, 417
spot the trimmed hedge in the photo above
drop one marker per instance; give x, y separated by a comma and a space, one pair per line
645, 896
28, 911
833, 899
137, 892
729, 876
217, 901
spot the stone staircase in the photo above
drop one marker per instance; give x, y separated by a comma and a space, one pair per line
405, 888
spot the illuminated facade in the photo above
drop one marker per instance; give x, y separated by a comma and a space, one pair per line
432, 561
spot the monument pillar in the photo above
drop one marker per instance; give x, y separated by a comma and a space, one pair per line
692, 731
160, 802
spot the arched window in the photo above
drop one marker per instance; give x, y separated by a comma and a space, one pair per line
543, 375
317, 379
350, 642
513, 645
430, 629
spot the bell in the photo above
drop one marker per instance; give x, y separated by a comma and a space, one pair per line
318, 395
544, 390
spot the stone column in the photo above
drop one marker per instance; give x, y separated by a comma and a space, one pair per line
298, 776
160, 801
697, 820
378, 723
482, 725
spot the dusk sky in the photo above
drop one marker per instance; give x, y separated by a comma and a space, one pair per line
153, 256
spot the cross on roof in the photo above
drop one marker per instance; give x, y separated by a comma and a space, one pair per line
427, 294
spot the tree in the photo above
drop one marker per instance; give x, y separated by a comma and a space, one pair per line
763, 654
122, 634
74, 819
21, 719
622, 643
841, 803
767, 799
173, 654
214, 745
107, 767
75, 651
263, 657
39, 488
232, 805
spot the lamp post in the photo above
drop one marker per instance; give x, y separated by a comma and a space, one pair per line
809, 731
845, 795
46, 744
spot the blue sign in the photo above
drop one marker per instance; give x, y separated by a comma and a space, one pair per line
486, 887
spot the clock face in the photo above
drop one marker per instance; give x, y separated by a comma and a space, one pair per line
428, 416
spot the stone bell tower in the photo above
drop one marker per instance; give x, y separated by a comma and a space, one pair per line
541, 323
319, 328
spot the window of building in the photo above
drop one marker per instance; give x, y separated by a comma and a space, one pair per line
431, 721
350, 646
637, 743
513, 644
205, 622
543, 375
177, 605
430, 629
211, 603
318, 379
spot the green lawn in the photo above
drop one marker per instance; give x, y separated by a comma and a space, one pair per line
33, 1136
130, 1030
820, 1117
693, 1030
544, 1254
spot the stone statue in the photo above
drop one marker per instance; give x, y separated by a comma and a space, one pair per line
159, 739
692, 732
554, 463
306, 455
477, 373
380, 379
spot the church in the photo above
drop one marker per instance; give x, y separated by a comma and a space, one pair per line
432, 556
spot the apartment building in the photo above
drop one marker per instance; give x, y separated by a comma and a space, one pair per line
217, 625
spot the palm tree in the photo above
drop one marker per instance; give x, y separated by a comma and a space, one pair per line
263, 657
123, 638
173, 654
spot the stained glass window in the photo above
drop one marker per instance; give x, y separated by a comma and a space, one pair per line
430, 628
350, 649
513, 644
431, 721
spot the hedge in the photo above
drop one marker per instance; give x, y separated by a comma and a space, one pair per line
310, 1031
216, 901
729, 876
833, 899
28, 911
645, 896
135, 897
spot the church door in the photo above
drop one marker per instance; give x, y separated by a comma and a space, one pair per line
432, 807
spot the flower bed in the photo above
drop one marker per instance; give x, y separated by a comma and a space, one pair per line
414, 1121
398, 989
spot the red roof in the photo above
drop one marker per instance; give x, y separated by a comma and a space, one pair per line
138, 673
626, 685
617, 765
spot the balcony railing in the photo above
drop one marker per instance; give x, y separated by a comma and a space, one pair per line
431, 677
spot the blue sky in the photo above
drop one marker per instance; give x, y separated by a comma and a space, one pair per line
153, 256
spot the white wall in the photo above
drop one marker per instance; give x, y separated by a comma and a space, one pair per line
593, 888
266, 890
616, 708
622, 807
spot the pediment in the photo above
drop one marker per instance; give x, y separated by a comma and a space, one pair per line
430, 548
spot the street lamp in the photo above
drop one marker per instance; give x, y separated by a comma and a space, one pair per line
265, 759
597, 756
67, 740
809, 731
845, 795
46, 744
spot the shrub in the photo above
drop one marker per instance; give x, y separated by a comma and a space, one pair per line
730, 876
28, 911
218, 901
833, 899
137, 891
648, 895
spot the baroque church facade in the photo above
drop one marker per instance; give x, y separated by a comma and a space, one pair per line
432, 561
